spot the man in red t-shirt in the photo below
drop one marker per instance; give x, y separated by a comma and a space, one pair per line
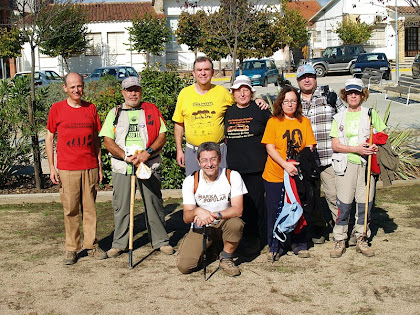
77, 124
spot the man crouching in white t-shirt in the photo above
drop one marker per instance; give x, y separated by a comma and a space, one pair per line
216, 203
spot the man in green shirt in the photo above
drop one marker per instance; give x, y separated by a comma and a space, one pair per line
139, 124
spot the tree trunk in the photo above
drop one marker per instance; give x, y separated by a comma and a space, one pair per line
147, 59
290, 60
220, 68
241, 63
233, 65
66, 64
34, 137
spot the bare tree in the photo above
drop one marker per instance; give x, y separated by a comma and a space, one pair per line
29, 17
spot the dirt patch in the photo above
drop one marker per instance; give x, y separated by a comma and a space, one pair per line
34, 279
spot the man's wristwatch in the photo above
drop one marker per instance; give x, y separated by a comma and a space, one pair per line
219, 215
150, 150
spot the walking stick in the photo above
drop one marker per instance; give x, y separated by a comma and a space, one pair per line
369, 170
204, 252
131, 229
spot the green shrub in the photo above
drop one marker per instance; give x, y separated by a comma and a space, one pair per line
162, 88
159, 87
15, 130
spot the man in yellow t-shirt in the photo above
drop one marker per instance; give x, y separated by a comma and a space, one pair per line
200, 111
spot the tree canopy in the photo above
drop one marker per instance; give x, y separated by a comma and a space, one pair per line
149, 34
11, 42
66, 35
354, 32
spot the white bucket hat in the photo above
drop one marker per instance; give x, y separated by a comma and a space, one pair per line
241, 80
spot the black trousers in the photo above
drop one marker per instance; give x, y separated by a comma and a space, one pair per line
253, 214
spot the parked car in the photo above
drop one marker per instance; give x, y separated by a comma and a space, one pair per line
119, 72
375, 61
260, 71
415, 67
336, 59
42, 77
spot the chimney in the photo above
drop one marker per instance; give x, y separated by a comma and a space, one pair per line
158, 6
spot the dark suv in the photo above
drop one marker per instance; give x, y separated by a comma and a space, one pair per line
336, 59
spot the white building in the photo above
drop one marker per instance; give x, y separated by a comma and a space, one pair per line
107, 23
109, 39
379, 12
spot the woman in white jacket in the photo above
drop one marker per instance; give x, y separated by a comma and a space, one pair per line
349, 132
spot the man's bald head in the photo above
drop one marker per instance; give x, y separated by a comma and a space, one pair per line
70, 76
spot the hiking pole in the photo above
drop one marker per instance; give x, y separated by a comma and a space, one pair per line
204, 252
131, 229
146, 217
369, 170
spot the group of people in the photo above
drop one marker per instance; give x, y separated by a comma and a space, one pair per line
236, 155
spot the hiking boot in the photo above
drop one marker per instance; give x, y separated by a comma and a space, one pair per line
70, 258
338, 250
363, 247
228, 265
318, 240
114, 252
97, 253
303, 253
352, 240
167, 249
272, 257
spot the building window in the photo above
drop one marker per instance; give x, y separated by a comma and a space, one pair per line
378, 38
116, 43
318, 37
95, 44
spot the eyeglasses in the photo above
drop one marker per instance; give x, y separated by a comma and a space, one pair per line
211, 160
353, 92
293, 102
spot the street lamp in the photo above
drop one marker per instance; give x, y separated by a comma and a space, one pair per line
397, 61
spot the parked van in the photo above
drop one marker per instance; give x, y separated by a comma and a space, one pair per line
336, 59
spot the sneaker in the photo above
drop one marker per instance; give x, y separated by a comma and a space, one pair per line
114, 252
303, 253
70, 258
97, 253
352, 240
338, 250
363, 247
167, 249
228, 265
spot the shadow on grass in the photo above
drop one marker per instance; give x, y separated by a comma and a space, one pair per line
174, 224
381, 220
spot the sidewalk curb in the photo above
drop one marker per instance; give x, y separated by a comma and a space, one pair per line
105, 196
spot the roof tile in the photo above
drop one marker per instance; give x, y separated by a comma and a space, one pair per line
307, 8
117, 11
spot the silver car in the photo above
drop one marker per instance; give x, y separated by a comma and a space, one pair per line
42, 77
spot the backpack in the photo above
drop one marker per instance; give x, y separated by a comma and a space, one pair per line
197, 178
290, 214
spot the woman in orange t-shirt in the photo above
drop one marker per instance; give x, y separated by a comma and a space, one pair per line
287, 124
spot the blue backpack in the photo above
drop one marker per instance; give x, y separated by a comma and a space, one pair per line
289, 215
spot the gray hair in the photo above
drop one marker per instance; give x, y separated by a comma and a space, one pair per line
209, 146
